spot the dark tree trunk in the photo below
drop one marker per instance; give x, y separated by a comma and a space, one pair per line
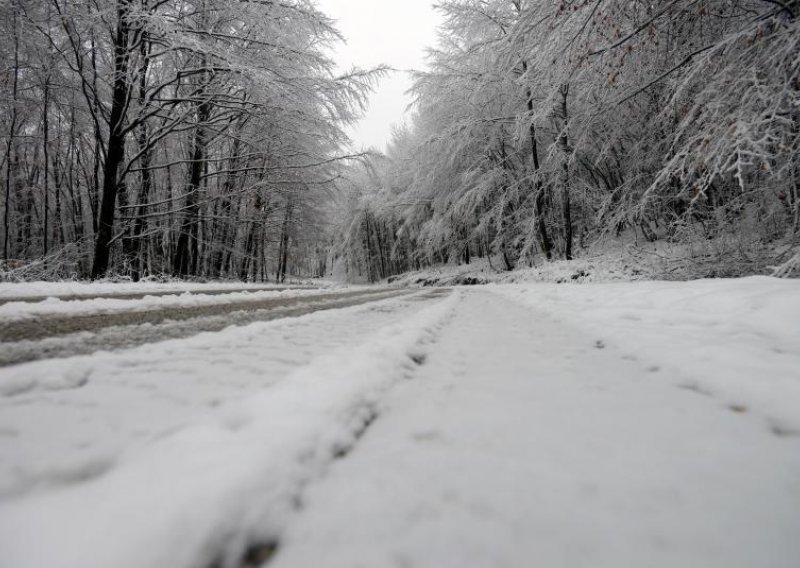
115, 153
10, 144
563, 141
539, 188
381, 257
244, 268
368, 230
94, 195
46, 159
283, 251
185, 261
140, 223
226, 208
134, 247
467, 252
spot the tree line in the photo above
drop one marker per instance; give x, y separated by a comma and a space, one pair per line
197, 138
542, 126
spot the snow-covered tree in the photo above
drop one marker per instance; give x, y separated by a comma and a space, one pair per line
202, 131
541, 125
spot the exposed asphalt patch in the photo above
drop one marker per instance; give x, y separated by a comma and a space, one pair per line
52, 326
48, 338
142, 295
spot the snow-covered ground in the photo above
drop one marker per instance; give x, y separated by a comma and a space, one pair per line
738, 340
523, 444
168, 454
632, 424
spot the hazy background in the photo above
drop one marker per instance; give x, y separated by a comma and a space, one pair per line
394, 32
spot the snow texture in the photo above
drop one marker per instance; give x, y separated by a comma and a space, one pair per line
601, 425
523, 444
181, 453
738, 339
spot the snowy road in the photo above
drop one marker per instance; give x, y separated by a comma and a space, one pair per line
59, 327
651, 425
88, 295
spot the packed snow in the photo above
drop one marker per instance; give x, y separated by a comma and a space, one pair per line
169, 453
736, 339
524, 445
639, 424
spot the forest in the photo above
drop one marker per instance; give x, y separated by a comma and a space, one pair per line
208, 138
190, 138
544, 127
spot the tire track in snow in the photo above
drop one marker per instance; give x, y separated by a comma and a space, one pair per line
522, 444
107, 392
235, 478
51, 337
259, 552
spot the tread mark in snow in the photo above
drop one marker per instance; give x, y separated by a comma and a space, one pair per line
695, 388
343, 450
418, 358
260, 554
369, 416
255, 556
782, 431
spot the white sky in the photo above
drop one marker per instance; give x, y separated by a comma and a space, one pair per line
394, 32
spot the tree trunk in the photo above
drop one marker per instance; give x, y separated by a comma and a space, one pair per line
539, 202
139, 224
283, 251
467, 253
46, 160
116, 141
370, 268
186, 254
10, 143
566, 206
381, 257
226, 208
94, 194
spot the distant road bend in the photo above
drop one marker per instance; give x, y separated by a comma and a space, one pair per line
59, 335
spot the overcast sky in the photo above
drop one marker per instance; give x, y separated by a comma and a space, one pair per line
394, 32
